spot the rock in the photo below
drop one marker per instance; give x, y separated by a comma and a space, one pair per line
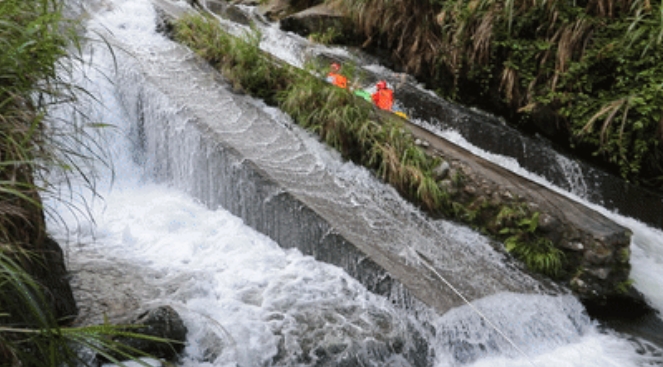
56, 282
548, 223
41, 259
573, 246
236, 15
212, 346
447, 186
598, 255
162, 322
49, 271
275, 9
495, 199
507, 195
230, 12
601, 273
216, 7
321, 19
441, 171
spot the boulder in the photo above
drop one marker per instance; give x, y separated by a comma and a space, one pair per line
321, 19
54, 278
228, 11
216, 6
275, 9
236, 15
44, 264
162, 322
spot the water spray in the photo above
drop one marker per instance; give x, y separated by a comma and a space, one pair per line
423, 260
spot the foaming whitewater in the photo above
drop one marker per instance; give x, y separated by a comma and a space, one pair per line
248, 302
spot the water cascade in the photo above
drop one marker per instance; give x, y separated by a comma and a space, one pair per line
218, 200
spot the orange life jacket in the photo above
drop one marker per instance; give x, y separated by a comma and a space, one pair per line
383, 98
338, 80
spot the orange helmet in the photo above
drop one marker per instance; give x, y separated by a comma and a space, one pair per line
335, 66
381, 84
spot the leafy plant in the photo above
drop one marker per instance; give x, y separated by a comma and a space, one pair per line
537, 252
540, 256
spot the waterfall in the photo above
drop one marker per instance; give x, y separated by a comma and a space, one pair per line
165, 229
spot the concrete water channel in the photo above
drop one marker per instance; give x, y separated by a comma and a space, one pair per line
226, 152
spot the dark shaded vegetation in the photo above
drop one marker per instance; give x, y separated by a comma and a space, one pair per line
587, 74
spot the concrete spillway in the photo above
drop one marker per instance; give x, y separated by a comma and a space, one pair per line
227, 150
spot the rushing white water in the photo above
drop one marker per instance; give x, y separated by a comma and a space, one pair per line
248, 302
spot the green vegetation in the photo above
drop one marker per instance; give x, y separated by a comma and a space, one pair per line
35, 48
373, 139
327, 37
535, 251
405, 27
625, 286
591, 70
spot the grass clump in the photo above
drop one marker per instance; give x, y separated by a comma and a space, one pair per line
36, 43
327, 37
239, 59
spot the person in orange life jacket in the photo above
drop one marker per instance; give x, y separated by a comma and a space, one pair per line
383, 96
335, 77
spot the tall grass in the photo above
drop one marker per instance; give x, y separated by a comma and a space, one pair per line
405, 27
37, 45
594, 65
